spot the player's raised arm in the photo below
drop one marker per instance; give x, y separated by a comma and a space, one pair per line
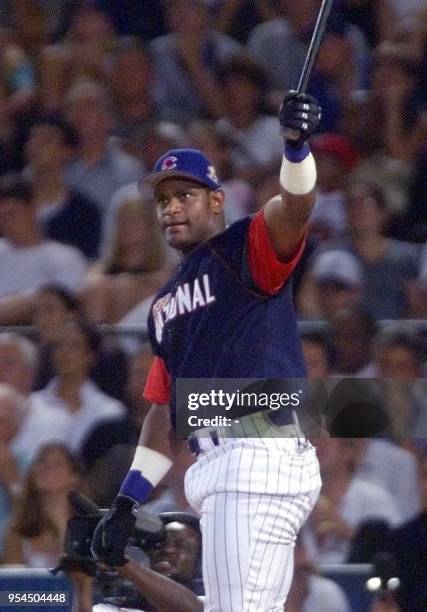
153, 458
287, 215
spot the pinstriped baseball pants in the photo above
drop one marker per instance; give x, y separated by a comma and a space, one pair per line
253, 496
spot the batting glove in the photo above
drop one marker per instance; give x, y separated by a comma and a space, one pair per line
113, 532
299, 116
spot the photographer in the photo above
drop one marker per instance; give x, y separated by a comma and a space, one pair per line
173, 549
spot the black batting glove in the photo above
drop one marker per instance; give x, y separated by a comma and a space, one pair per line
113, 532
299, 116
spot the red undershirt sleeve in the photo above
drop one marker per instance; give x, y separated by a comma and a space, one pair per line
267, 271
157, 387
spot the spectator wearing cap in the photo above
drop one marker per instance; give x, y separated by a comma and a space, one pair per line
334, 283
27, 261
387, 264
65, 214
186, 63
336, 158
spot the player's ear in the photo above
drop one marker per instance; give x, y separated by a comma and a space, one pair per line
217, 201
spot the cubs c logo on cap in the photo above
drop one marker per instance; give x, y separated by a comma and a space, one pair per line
169, 163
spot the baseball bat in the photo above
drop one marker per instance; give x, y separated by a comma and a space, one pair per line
313, 50
316, 41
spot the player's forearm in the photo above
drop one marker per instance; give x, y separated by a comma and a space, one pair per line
156, 430
162, 592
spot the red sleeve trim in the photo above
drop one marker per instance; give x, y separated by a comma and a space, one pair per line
157, 387
268, 272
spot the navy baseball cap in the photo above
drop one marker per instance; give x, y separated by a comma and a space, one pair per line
182, 163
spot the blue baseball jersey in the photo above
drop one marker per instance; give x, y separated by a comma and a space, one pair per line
212, 320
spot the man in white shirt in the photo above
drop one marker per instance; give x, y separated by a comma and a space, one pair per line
345, 503
38, 425
74, 401
27, 261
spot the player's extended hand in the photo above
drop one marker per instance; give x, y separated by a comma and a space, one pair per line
113, 532
299, 116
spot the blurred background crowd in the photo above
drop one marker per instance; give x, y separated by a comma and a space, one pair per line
91, 94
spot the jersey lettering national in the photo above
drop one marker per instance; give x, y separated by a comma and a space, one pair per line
213, 320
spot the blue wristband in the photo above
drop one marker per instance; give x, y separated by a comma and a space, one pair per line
296, 155
136, 487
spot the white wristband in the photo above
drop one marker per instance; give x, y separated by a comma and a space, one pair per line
298, 178
152, 464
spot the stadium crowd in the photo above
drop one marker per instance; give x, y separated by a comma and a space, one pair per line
91, 94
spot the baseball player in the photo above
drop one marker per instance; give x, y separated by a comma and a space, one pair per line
228, 313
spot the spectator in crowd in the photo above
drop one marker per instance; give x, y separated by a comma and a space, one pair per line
27, 260
345, 502
378, 461
337, 74
387, 264
123, 432
132, 84
138, 264
40, 424
17, 80
77, 403
399, 359
65, 214
309, 591
54, 308
18, 362
280, 44
336, 157
35, 534
206, 136
333, 284
389, 115
12, 412
186, 65
148, 142
108, 450
256, 143
318, 354
376, 19
101, 167
352, 334
85, 52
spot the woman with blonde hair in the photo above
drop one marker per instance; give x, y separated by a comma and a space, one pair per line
36, 531
137, 265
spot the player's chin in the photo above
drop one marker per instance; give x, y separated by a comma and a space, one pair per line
179, 238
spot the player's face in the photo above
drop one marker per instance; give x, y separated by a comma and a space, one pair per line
188, 212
